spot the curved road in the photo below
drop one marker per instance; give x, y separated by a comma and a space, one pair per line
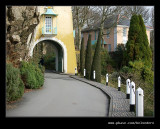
62, 96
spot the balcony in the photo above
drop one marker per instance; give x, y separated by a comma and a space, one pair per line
50, 32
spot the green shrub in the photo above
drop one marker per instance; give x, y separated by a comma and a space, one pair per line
106, 62
15, 86
115, 75
143, 77
32, 75
42, 68
118, 57
147, 75
126, 69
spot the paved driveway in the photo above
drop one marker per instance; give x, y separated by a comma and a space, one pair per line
62, 96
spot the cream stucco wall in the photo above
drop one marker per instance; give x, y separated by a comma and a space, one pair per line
148, 35
120, 34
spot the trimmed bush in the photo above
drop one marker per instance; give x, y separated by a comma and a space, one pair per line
82, 57
32, 75
96, 63
15, 86
42, 68
88, 58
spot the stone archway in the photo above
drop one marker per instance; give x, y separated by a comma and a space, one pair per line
64, 49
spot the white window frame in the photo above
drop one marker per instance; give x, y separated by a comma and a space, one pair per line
124, 35
48, 25
124, 32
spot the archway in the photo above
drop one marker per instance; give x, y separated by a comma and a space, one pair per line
60, 51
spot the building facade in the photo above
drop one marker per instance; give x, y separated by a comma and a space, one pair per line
114, 33
56, 27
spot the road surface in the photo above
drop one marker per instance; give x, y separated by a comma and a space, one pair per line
61, 96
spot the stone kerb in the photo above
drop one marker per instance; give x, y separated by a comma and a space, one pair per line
119, 105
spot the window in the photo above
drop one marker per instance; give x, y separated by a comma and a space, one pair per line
108, 32
48, 25
124, 35
124, 32
109, 47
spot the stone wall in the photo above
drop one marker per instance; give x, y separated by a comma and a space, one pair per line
20, 24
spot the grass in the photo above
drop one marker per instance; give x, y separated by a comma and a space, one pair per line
113, 83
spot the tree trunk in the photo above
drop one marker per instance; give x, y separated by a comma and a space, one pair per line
79, 37
102, 42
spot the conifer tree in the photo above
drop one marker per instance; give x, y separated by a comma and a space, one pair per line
88, 58
132, 45
82, 57
96, 64
137, 44
147, 54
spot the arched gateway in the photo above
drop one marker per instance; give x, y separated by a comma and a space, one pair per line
56, 27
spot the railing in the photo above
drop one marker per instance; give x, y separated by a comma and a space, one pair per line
54, 31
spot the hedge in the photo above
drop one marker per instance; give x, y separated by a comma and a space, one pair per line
15, 86
32, 75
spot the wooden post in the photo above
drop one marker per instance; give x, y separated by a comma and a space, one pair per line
127, 89
139, 102
107, 79
119, 83
132, 96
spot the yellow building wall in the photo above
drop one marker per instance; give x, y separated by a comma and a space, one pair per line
64, 32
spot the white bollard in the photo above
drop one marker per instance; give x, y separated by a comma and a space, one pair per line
139, 102
107, 79
132, 96
84, 72
127, 88
75, 71
94, 75
119, 83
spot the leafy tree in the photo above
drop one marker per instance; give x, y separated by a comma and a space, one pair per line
96, 64
118, 56
106, 62
82, 57
88, 58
